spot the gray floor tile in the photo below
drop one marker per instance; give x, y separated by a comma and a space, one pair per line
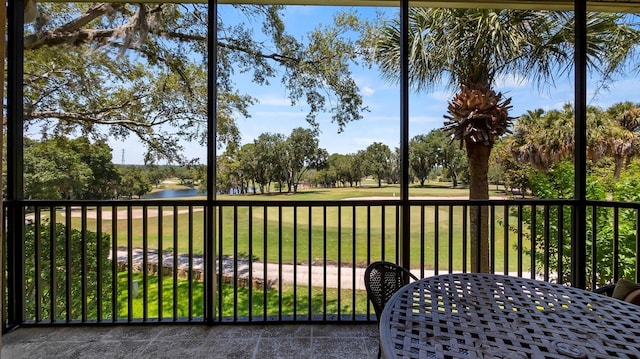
229, 349
283, 348
340, 348
193, 341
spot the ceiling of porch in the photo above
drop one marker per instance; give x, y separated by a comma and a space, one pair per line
623, 6
593, 5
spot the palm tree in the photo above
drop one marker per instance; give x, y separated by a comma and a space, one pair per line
622, 136
544, 139
469, 49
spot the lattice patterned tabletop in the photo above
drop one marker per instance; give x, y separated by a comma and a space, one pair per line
494, 316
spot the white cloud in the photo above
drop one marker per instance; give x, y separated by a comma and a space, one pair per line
271, 100
511, 81
368, 91
440, 96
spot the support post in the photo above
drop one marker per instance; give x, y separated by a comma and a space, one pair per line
579, 215
405, 209
210, 210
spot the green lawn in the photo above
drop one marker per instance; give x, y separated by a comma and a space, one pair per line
294, 235
238, 301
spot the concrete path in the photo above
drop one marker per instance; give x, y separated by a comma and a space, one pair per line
330, 275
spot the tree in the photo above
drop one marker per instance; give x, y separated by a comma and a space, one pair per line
97, 156
247, 167
394, 171
134, 182
302, 153
481, 45
227, 177
156, 174
120, 70
423, 156
557, 182
544, 139
270, 159
621, 135
515, 174
356, 168
46, 282
62, 168
377, 159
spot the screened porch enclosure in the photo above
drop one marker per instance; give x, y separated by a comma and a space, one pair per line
220, 259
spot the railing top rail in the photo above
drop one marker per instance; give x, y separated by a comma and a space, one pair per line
321, 203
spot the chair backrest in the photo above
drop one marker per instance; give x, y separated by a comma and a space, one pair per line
606, 290
382, 279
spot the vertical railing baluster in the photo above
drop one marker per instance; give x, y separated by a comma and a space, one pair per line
519, 238
637, 245
114, 264
616, 245
382, 233
492, 238
220, 260
265, 262
279, 263
145, 263
190, 263
310, 260
234, 234
465, 237
353, 262
250, 250
295, 263
52, 260
368, 234
422, 242
547, 241
561, 244
67, 264
339, 261
594, 247
175, 262
129, 264
506, 239
478, 253
99, 273
208, 263
83, 262
534, 233
450, 254
37, 263
324, 262
160, 264
397, 227
436, 239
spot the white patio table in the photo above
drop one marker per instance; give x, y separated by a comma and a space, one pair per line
495, 316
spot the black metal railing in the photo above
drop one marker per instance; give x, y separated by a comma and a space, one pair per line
143, 261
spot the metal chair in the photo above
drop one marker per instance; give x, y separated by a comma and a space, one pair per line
606, 290
382, 279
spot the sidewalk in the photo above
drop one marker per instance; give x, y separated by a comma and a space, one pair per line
330, 275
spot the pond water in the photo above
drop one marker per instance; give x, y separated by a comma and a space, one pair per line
186, 192
172, 193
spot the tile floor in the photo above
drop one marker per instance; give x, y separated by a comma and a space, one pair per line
194, 341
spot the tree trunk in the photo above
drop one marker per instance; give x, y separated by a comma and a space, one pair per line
619, 163
478, 155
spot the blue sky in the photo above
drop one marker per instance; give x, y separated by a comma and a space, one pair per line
274, 113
